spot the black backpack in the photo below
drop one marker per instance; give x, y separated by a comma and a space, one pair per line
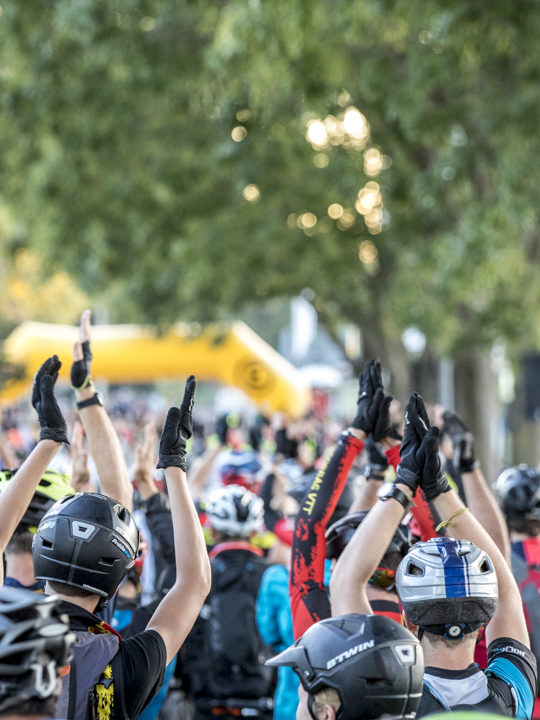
224, 655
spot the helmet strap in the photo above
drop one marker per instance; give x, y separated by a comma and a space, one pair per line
102, 604
452, 631
310, 702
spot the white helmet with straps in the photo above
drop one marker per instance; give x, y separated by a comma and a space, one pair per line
234, 510
444, 583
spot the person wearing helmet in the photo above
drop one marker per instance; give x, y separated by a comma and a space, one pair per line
308, 591
449, 587
307, 587
83, 547
381, 590
224, 650
103, 443
19, 490
35, 648
518, 491
18, 554
356, 666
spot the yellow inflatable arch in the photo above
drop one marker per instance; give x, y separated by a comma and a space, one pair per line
231, 354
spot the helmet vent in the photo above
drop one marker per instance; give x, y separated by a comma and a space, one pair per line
123, 514
485, 567
107, 561
374, 681
46, 543
415, 570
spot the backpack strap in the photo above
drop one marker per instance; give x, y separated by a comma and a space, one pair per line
72, 691
104, 695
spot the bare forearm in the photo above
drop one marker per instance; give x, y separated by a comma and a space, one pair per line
145, 484
508, 619
362, 556
484, 507
192, 564
367, 496
200, 474
106, 451
15, 499
178, 611
6, 453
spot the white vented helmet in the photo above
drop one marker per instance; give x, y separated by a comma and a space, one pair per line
235, 510
445, 582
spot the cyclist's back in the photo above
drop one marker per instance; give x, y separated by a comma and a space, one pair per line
224, 651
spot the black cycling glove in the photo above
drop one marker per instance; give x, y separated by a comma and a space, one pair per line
177, 430
463, 440
371, 399
433, 478
80, 374
409, 468
51, 421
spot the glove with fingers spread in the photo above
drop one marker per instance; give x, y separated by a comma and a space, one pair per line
409, 468
51, 421
81, 374
463, 440
177, 430
433, 478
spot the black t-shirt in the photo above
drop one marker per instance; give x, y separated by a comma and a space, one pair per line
138, 667
140, 663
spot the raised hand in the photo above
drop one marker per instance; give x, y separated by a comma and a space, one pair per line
80, 477
177, 430
372, 410
51, 421
81, 375
464, 456
433, 478
409, 468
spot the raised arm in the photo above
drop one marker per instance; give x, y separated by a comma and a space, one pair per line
15, 499
364, 551
374, 477
480, 499
154, 503
103, 442
80, 474
7, 455
177, 612
308, 593
508, 620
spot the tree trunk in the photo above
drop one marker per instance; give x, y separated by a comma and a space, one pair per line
478, 405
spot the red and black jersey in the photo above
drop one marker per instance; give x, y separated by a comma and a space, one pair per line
309, 595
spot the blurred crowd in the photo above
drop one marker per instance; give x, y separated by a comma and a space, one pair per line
159, 567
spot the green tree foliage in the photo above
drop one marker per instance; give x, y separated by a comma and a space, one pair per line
188, 158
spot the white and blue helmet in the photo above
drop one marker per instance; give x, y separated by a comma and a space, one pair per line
448, 587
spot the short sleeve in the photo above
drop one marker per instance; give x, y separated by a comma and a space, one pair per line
139, 666
515, 664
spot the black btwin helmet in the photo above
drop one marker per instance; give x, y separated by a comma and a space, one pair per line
88, 541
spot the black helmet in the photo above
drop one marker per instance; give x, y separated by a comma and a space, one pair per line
88, 541
35, 642
52, 487
518, 489
339, 534
374, 664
